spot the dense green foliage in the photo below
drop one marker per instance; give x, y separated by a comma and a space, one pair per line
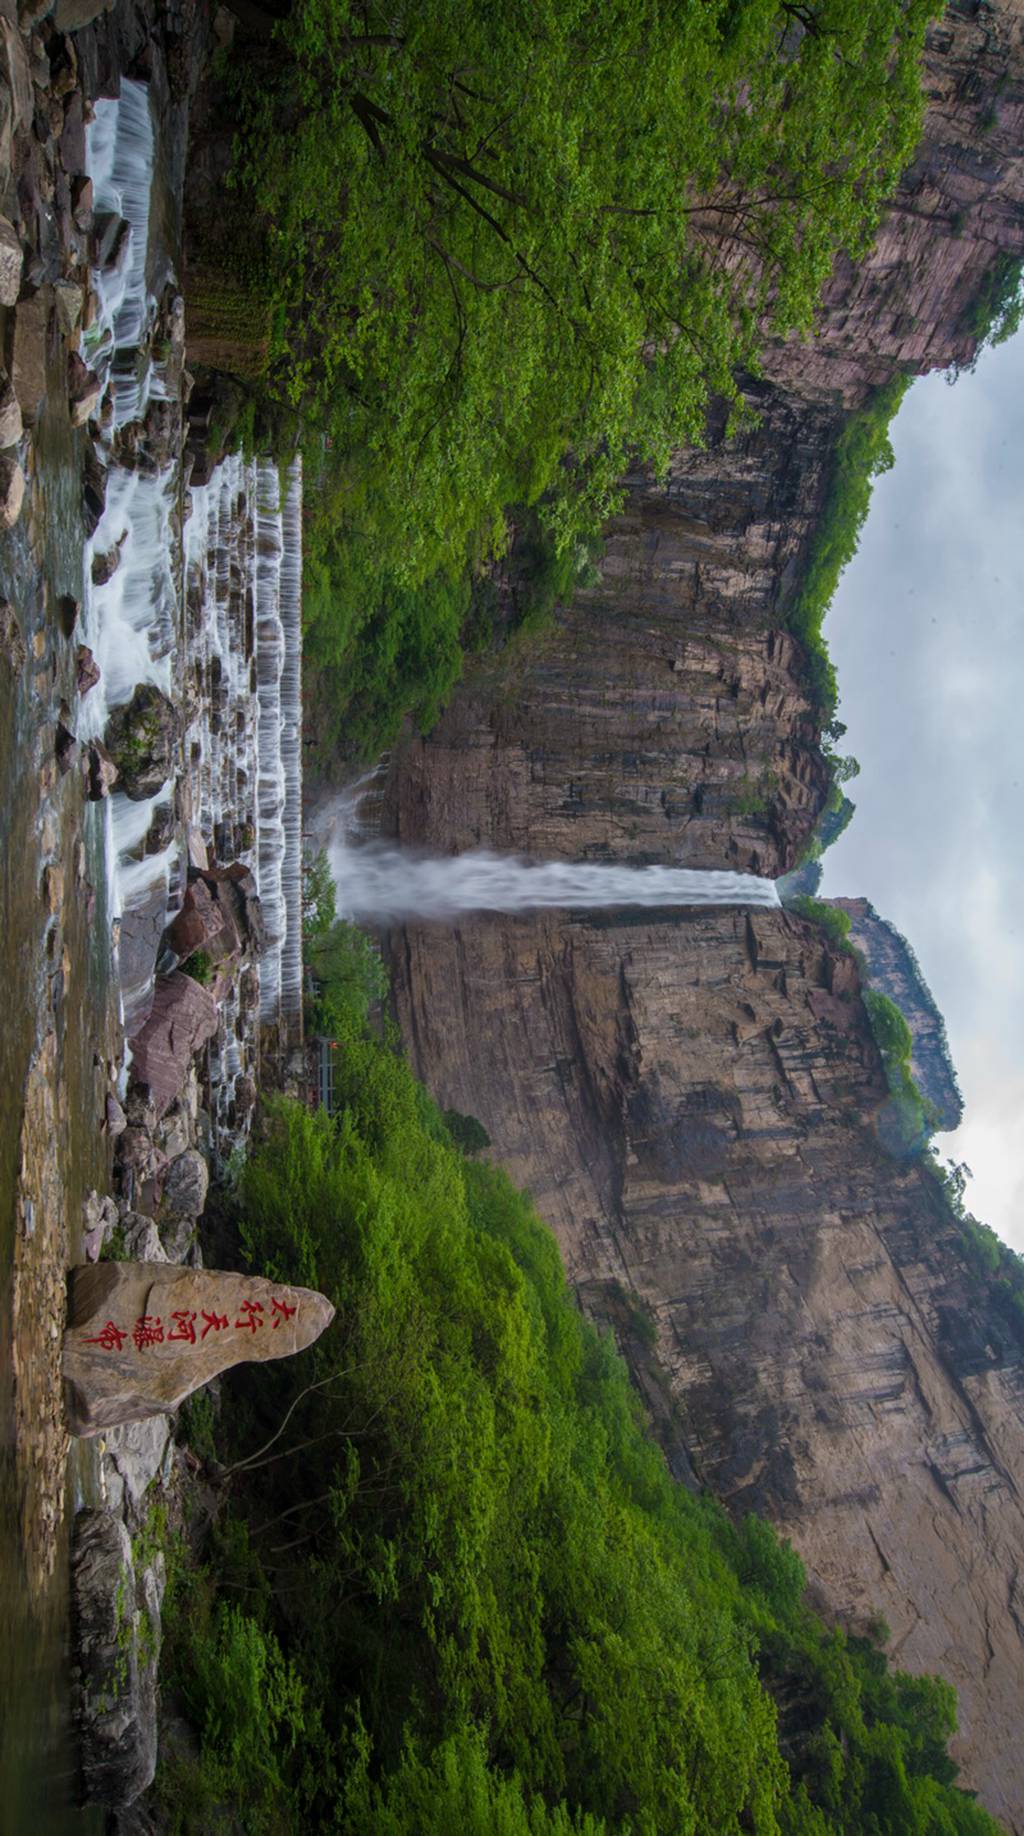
910, 1116
863, 451
993, 1261
998, 308
456, 1588
319, 898
503, 252
349, 978
830, 918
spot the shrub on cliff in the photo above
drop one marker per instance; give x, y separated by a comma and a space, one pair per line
863, 452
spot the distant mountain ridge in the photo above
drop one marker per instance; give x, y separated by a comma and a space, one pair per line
892, 968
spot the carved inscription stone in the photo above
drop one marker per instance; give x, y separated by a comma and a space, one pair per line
143, 1335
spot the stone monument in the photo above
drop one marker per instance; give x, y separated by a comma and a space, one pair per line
142, 1336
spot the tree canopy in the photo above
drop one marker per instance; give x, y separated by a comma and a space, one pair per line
511, 244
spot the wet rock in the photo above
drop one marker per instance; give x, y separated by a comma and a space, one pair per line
12, 490
81, 211
220, 915
10, 413
142, 738
94, 490
15, 76
87, 670
72, 15
116, 1119
68, 300
105, 566
245, 1095
12, 644
99, 771
182, 1019
84, 387
72, 137
142, 1336
28, 363
117, 1650
185, 1186
198, 852
65, 749
111, 236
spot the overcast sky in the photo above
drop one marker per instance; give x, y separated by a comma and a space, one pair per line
927, 635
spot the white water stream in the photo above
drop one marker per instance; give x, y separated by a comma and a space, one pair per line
380, 884
211, 618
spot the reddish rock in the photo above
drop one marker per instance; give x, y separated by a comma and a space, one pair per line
182, 1019
99, 771
87, 670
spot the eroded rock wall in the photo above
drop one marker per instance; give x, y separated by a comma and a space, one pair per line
691, 1100
665, 716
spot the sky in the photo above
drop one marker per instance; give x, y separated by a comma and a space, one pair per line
927, 634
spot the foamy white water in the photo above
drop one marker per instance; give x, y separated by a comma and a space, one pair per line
377, 884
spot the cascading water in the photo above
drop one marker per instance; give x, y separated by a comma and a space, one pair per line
213, 620
129, 609
291, 744
378, 884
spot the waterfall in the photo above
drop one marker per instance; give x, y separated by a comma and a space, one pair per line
270, 783
378, 884
291, 742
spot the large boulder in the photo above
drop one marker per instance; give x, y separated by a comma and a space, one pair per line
10, 409
12, 490
117, 1651
12, 644
142, 738
143, 1335
183, 1017
28, 359
220, 915
186, 1183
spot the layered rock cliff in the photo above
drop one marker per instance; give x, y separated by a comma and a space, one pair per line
693, 1100
892, 968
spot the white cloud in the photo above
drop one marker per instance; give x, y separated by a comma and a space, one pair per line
928, 638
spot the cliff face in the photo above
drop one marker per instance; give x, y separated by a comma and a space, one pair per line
893, 969
908, 305
691, 1102
663, 718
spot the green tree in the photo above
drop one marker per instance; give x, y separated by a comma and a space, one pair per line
501, 237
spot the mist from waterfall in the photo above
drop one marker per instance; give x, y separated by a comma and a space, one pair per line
378, 884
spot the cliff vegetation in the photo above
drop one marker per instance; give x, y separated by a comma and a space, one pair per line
450, 1582
477, 295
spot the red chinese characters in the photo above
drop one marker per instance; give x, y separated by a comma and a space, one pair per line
111, 1338
148, 1330
185, 1326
